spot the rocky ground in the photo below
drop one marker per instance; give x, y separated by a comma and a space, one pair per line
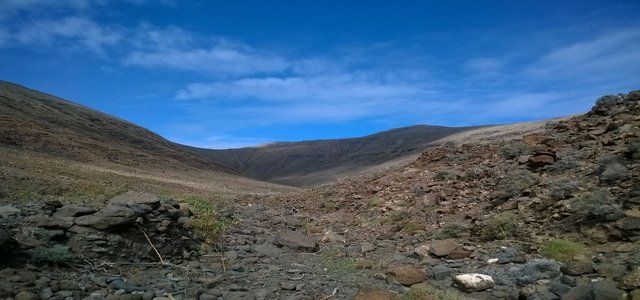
554, 215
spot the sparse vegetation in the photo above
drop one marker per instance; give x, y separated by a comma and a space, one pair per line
502, 226
376, 201
55, 254
595, 203
562, 188
474, 173
562, 250
610, 168
424, 291
452, 230
534, 270
567, 161
515, 149
518, 181
205, 222
445, 176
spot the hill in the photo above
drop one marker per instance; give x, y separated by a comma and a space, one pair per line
51, 143
319, 161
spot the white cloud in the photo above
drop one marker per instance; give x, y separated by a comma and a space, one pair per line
609, 56
67, 33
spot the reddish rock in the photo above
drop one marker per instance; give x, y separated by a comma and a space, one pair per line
407, 274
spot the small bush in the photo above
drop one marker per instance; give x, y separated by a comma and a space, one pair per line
502, 226
452, 230
518, 181
445, 176
562, 250
515, 149
205, 222
610, 168
474, 173
565, 162
424, 291
534, 270
54, 254
562, 189
376, 201
596, 203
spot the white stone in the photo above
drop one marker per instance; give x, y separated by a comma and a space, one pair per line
492, 261
474, 282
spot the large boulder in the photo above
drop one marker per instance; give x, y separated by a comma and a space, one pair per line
296, 240
73, 210
442, 247
108, 218
474, 282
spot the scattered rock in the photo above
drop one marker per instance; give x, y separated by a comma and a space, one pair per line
9, 211
631, 280
607, 290
108, 218
73, 210
367, 247
24, 295
474, 282
296, 240
132, 197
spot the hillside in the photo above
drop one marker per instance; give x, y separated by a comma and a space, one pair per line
50, 145
320, 161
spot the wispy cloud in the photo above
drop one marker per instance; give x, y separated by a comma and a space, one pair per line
70, 33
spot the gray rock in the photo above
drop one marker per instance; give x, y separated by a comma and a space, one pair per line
7, 211
119, 284
367, 247
577, 267
607, 290
612, 271
267, 249
296, 240
441, 272
108, 218
25, 295
132, 197
4, 237
73, 210
581, 292
46, 293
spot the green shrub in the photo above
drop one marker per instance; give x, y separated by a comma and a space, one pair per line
205, 222
562, 250
515, 149
562, 189
54, 254
376, 201
474, 173
424, 291
502, 226
516, 182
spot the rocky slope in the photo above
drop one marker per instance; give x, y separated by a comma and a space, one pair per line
553, 215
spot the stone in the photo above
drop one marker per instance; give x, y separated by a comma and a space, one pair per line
443, 247
7, 211
459, 253
25, 295
108, 218
367, 247
631, 280
581, 292
441, 272
132, 197
296, 240
474, 282
607, 290
268, 250
120, 284
185, 209
406, 274
422, 250
541, 159
612, 271
365, 293
73, 210
635, 294
577, 267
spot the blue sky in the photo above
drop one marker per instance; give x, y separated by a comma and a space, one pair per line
222, 74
